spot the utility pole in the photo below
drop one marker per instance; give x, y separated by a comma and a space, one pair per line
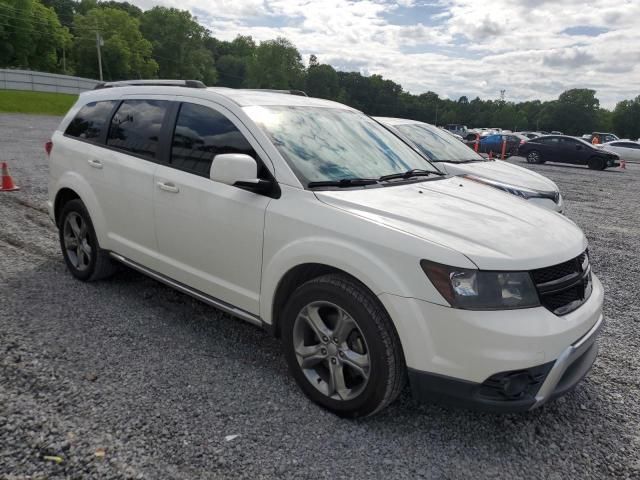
99, 43
64, 61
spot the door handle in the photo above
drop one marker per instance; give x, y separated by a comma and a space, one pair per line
168, 187
95, 163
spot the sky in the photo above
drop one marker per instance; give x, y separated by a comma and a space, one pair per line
532, 49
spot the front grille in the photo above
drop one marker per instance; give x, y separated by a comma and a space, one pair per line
564, 287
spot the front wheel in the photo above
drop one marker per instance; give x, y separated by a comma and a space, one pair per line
596, 163
341, 346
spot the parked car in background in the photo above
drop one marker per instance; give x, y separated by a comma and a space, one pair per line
311, 220
565, 149
493, 143
603, 137
530, 135
457, 129
627, 150
455, 158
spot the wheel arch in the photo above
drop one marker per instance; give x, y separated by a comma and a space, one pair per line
295, 277
73, 186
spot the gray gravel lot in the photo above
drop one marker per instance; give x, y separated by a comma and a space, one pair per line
127, 378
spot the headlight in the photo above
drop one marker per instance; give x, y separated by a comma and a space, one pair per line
482, 290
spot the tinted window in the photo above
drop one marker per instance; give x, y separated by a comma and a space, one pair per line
136, 126
202, 133
90, 120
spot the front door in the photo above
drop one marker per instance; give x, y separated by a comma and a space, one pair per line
209, 234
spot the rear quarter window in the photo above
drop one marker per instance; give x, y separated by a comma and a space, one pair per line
90, 120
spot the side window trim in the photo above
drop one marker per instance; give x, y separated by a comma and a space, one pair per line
104, 134
166, 133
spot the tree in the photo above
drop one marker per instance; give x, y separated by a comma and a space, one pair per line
322, 82
65, 9
577, 111
30, 36
178, 42
277, 64
126, 53
131, 9
626, 118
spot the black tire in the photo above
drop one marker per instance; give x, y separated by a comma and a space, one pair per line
98, 264
534, 156
596, 163
387, 370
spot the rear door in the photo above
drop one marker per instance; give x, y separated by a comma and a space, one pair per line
574, 151
209, 234
129, 163
82, 151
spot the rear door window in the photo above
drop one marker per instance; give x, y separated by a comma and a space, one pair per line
135, 127
90, 120
201, 133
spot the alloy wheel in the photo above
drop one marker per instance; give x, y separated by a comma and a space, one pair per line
76, 241
331, 350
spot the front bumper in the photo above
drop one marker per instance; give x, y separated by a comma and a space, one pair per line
517, 390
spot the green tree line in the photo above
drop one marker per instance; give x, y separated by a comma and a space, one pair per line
60, 36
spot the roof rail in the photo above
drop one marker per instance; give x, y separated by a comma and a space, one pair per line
152, 83
299, 93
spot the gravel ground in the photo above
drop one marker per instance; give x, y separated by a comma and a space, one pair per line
127, 378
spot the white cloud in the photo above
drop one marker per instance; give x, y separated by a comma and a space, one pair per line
452, 47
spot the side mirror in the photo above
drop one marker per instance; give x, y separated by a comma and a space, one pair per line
240, 170
228, 168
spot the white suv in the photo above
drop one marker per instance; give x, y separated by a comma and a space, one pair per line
312, 220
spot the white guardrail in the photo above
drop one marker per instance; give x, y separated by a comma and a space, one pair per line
44, 82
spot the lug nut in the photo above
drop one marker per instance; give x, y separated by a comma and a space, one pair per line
342, 354
334, 361
323, 351
335, 340
325, 339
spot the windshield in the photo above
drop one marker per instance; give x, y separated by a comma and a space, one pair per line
327, 144
437, 145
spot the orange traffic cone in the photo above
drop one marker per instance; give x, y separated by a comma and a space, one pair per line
623, 164
7, 184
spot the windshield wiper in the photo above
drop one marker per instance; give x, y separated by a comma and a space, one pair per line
415, 172
343, 182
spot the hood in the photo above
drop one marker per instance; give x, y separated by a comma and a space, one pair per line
495, 230
503, 172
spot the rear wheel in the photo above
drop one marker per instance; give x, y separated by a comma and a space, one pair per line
534, 156
79, 243
341, 347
